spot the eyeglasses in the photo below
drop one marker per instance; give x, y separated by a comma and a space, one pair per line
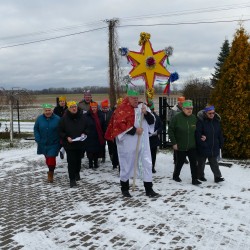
211, 113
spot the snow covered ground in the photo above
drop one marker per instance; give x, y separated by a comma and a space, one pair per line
38, 215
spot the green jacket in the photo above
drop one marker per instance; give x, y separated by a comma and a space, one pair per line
181, 131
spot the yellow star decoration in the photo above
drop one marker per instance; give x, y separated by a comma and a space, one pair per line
140, 67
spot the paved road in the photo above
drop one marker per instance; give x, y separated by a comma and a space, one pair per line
95, 216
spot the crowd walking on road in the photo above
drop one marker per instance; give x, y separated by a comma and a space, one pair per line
130, 131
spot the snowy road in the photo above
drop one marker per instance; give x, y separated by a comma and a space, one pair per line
38, 215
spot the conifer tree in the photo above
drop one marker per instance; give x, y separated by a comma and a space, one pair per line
225, 49
231, 97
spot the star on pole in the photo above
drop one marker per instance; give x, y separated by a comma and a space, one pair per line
148, 64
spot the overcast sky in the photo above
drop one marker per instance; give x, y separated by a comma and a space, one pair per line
82, 59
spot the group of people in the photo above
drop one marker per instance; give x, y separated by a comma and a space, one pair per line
131, 132
198, 138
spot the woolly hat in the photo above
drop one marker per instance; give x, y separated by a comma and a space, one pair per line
47, 106
181, 99
105, 103
62, 98
187, 104
71, 103
209, 108
93, 104
132, 92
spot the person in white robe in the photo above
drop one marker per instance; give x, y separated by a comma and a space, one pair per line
130, 126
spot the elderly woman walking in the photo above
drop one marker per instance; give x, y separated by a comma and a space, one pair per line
47, 137
73, 130
209, 141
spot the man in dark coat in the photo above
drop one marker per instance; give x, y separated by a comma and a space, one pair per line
107, 113
154, 140
209, 140
73, 130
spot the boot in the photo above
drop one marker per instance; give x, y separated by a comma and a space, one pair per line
218, 179
196, 182
96, 163
72, 183
50, 176
78, 178
125, 188
153, 170
149, 190
90, 163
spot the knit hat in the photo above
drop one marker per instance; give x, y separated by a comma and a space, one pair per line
71, 103
181, 99
105, 103
62, 98
93, 104
209, 108
47, 106
187, 104
132, 92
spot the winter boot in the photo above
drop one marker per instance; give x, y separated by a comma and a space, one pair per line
153, 170
78, 178
196, 182
90, 163
50, 176
96, 163
149, 190
72, 183
125, 188
218, 179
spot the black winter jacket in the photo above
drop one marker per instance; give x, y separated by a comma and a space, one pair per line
92, 141
154, 138
72, 125
212, 130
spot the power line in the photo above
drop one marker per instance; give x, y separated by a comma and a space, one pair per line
189, 12
51, 38
125, 19
185, 23
121, 26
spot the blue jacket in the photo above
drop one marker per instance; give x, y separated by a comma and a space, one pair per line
47, 135
212, 130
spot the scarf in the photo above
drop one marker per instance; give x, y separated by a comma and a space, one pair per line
98, 127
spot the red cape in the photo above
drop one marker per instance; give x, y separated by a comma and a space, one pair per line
122, 119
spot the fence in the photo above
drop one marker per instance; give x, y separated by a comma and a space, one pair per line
165, 106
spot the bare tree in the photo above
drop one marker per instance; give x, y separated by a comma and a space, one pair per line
11, 98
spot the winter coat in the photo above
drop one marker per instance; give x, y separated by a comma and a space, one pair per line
83, 106
154, 138
211, 128
181, 131
92, 141
58, 110
73, 125
106, 116
46, 135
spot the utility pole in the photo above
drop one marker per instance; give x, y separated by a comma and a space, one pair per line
114, 67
